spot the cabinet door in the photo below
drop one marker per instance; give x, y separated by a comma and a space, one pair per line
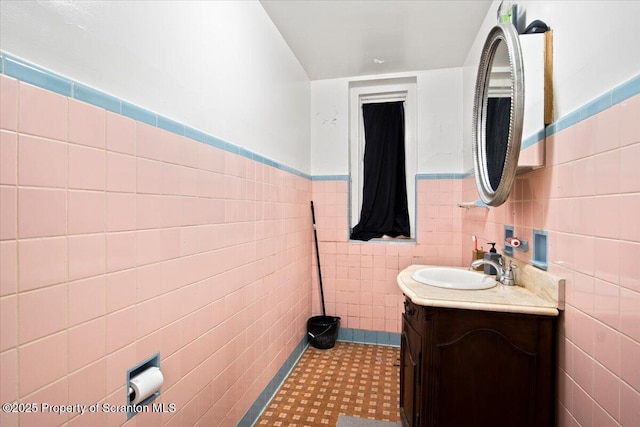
497, 366
410, 387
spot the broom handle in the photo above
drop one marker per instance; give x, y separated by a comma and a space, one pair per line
315, 238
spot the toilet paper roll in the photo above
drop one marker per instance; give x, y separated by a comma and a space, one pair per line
145, 384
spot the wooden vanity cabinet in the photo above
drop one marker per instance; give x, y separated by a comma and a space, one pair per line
411, 365
476, 368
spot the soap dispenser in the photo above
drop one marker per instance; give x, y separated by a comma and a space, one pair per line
494, 256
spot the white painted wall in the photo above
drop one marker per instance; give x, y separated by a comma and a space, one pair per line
221, 67
439, 133
330, 127
595, 45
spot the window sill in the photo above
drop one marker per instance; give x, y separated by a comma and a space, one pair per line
388, 239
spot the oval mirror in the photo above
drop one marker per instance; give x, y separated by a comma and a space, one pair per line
498, 111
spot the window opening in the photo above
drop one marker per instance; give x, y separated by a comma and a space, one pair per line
401, 90
384, 209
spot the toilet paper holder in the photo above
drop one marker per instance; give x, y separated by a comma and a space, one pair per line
147, 375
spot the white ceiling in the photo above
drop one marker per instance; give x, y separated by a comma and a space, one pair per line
343, 38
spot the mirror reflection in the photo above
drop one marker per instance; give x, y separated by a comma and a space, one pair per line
498, 114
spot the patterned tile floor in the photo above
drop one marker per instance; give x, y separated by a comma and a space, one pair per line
353, 379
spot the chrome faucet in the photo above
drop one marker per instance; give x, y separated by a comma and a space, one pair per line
503, 276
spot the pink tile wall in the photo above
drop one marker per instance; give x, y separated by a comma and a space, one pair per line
119, 240
359, 278
588, 198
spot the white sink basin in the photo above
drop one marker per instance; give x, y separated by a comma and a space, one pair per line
453, 278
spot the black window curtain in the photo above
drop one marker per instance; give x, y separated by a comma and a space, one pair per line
384, 194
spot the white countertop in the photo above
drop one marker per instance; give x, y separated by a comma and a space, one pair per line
513, 299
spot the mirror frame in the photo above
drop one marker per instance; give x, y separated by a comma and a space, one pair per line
505, 33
